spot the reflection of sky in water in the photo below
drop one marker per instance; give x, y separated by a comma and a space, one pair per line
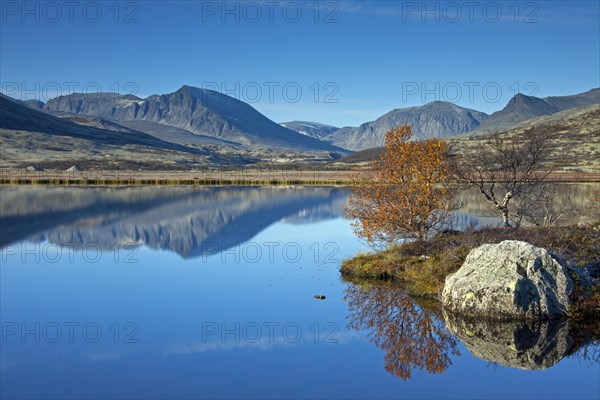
172, 301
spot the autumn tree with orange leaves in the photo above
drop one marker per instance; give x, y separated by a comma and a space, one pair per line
405, 193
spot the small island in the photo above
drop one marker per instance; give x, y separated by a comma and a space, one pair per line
529, 267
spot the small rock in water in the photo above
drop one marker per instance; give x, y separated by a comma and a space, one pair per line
319, 296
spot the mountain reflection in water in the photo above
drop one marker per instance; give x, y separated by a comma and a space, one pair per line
188, 221
415, 335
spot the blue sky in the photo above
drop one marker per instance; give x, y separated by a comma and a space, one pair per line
336, 62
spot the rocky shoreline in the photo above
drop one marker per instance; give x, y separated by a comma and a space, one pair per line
505, 280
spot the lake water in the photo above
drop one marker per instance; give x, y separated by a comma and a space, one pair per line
209, 293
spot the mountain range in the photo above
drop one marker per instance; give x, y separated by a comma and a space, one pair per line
572, 134
521, 108
31, 137
201, 121
199, 111
442, 119
436, 119
16, 116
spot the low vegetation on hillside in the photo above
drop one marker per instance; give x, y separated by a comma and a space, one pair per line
400, 205
422, 266
574, 136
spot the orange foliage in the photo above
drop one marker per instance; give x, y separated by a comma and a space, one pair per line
411, 336
406, 192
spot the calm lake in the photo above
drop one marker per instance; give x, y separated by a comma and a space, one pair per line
210, 293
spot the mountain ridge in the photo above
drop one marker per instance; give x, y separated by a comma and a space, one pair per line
522, 108
200, 111
16, 116
199, 117
574, 135
444, 120
435, 119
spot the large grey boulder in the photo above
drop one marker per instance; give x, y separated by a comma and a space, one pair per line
530, 345
508, 281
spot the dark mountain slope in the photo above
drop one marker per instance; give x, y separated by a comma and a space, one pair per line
200, 111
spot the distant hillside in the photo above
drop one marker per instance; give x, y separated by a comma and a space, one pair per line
35, 104
160, 131
436, 119
16, 116
522, 108
199, 111
362, 156
313, 129
578, 100
174, 134
574, 136
33, 138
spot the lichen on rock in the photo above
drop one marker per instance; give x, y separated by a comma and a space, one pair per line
507, 281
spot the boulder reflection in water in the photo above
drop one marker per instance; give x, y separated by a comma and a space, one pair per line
530, 345
415, 335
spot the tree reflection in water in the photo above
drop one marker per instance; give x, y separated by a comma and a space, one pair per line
412, 336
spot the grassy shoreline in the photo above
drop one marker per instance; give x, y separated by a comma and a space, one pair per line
251, 176
169, 182
421, 267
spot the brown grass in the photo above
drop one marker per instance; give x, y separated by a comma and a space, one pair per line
422, 266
